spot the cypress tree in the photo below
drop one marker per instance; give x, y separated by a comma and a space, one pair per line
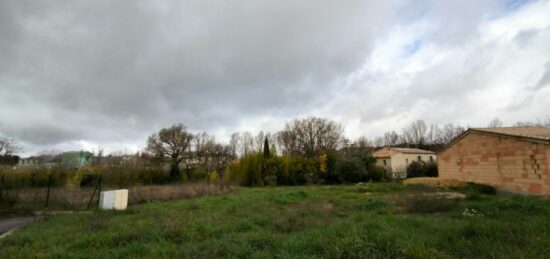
266, 148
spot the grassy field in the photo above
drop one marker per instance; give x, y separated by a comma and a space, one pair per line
385, 220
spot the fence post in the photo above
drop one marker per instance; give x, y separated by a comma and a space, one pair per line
98, 189
2, 187
99, 192
49, 187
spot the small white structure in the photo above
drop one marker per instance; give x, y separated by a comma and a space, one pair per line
395, 160
117, 200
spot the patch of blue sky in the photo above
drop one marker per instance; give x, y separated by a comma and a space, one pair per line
512, 5
411, 48
508, 6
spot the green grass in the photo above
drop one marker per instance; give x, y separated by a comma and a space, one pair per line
296, 222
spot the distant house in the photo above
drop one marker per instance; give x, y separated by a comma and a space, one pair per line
40, 161
395, 160
76, 159
72, 159
515, 159
114, 160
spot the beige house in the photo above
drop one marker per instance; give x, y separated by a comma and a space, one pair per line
396, 160
515, 159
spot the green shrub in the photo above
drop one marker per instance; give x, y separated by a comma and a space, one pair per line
482, 188
124, 176
376, 173
199, 174
475, 189
258, 170
422, 169
373, 204
351, 170
35, 177
248, 171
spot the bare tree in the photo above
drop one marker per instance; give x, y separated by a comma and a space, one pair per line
247, 143
449, 133
432, 135
172, 144
495, 123
259, 141
8, 147
415, 133
363, 142
311, 136
97, 157
391, 139
538, 123
234, 143
379, 142
202, 143
219, 156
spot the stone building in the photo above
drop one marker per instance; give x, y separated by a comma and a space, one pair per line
514, 159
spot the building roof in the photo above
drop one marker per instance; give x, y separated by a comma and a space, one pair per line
413, 150
525, 133
531, 132
388, 151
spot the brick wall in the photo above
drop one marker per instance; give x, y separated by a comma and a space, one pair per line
504, 162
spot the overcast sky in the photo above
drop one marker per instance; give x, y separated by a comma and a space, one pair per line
83, 74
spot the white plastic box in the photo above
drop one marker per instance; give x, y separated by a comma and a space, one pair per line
117, 200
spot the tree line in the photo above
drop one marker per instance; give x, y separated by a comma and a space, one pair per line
188, 154
306, 150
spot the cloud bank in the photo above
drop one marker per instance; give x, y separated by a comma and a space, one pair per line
104, 73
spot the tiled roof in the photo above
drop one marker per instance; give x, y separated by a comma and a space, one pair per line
412, 150
539, 133
388, 151
526, 133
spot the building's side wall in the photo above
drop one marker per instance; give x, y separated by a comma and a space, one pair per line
506, 163
387, 167
400, 162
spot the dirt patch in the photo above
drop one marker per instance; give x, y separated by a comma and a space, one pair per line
433, 181
141, 194
327, 206
448, 195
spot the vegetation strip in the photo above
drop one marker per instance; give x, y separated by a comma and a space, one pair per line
393, 220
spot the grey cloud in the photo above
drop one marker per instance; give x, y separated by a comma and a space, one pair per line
545, 79
135, 66
116, 71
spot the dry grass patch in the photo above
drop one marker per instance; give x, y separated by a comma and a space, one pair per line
78, 198
149, 193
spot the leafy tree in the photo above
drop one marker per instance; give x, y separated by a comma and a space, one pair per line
351, 170
266, 148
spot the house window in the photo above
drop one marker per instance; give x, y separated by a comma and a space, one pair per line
385, 162
431, 158
419, 158
407, 161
